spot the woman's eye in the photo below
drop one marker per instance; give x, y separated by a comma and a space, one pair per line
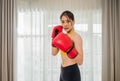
68, 21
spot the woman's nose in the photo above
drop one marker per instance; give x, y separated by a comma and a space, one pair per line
66, 24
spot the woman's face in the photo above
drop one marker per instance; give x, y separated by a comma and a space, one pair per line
67, 23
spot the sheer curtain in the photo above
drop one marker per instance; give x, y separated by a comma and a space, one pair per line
35, 20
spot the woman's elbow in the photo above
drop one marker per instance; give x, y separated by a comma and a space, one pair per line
54, 51
80, 62
54, 54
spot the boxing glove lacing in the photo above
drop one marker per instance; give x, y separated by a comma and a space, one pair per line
70, 50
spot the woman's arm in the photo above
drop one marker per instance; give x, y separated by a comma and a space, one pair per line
54, 51
79, 48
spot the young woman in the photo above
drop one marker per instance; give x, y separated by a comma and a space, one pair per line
69, 66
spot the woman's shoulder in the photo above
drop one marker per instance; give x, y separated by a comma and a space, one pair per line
77, 36
78, 39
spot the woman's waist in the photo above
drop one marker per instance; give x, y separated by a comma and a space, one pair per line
72, 67
67, 62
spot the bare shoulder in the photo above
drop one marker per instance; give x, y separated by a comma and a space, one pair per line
77, 37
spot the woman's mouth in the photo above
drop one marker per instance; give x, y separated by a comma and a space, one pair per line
66, 28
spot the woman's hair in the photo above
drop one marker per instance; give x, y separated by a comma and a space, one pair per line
67, 13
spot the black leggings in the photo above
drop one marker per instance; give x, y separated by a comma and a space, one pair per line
70, 73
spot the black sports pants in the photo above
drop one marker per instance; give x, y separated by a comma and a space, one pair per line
70, 73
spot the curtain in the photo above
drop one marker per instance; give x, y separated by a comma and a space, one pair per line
32, 51
6, 40
111, 38
0, 40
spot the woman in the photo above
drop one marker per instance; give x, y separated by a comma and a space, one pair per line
69, 66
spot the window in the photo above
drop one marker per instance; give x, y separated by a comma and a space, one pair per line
34, 60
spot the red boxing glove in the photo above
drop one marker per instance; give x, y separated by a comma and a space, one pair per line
63, 42
56, 31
